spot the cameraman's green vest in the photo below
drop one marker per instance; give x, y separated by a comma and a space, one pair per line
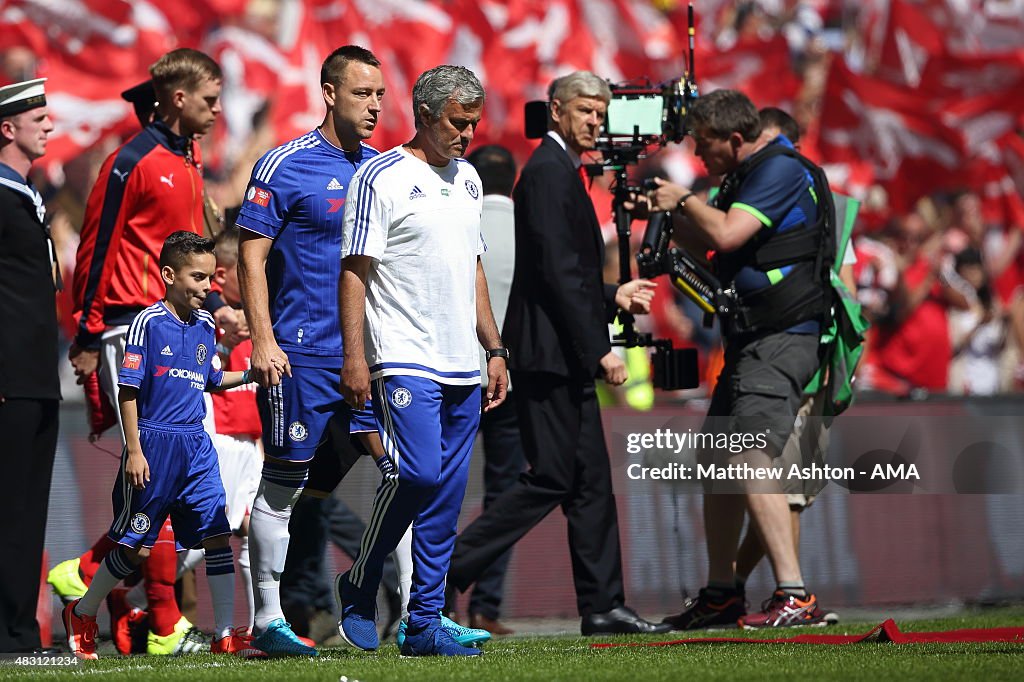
843, 340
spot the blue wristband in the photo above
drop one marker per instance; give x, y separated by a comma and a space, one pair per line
245, 377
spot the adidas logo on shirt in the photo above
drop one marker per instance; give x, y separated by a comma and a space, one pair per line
167, 351
334, 184
416, 193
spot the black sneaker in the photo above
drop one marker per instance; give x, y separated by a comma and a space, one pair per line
707, 612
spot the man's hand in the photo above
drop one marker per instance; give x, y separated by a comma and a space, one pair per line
355, 382
232, 323
84, 361
614, 369
636, 296
137, 470
638, 206
666, 197
497, 383
240, 333
269, 364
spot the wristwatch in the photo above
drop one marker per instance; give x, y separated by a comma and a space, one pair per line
496, 353
682, 202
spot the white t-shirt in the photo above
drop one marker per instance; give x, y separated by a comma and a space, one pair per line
977, 364
421, 225
498, 227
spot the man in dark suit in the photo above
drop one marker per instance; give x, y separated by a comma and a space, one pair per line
556, 330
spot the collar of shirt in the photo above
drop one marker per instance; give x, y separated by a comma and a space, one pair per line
12, 179
179, 144
193, 318
354, 157
573, 156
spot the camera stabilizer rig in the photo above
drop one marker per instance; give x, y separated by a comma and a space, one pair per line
642, 116
655, 258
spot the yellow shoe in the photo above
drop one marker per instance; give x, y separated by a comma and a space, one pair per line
186, 639
66, 581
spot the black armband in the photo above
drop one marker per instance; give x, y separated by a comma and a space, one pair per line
87, 340
213, 302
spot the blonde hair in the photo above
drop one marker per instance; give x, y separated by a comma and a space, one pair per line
227, 247
182, 69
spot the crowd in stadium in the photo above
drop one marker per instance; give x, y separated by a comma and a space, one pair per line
914, 238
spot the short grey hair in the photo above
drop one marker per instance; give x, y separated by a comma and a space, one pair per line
579, 84
441, 84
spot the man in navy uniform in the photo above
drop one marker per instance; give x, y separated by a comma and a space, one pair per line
29, 386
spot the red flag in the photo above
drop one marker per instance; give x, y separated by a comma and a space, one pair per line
761, 69
976, 27
631, 39
911, 40
912, 151
90, 50
110, 38
1003, 182
989, 123
964, 77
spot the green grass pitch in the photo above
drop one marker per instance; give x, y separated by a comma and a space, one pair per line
556, 658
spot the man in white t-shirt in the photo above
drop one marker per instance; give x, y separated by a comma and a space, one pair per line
414, 306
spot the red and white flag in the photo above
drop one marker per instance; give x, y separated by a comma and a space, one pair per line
761, 69
912, 38
911, 150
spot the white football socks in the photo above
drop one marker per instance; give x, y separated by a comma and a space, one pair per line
246, 571
268, 530
403, 562
222, 595
114, 568
188, 561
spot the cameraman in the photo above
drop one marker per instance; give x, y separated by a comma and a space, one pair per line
556, 329
761, 226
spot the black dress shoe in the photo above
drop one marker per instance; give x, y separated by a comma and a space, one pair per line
621, 620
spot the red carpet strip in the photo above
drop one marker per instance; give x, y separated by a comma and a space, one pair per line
886, 632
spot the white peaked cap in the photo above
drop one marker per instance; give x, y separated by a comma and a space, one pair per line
19, 97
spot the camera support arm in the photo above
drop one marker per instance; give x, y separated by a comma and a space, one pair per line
673, 368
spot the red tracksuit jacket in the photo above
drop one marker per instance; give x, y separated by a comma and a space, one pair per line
147, 189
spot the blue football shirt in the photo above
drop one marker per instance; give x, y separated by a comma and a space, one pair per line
779, 192
171, 363
296, 197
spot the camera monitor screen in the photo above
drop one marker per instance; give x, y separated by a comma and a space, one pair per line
625, 112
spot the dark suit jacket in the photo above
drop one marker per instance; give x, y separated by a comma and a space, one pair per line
559, 307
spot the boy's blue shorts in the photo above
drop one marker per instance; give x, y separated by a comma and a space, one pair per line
184, 481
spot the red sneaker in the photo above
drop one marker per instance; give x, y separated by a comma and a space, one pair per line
783, 611
81, 632
124, 619
238, 643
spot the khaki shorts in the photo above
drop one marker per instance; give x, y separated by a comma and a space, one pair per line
807, 446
